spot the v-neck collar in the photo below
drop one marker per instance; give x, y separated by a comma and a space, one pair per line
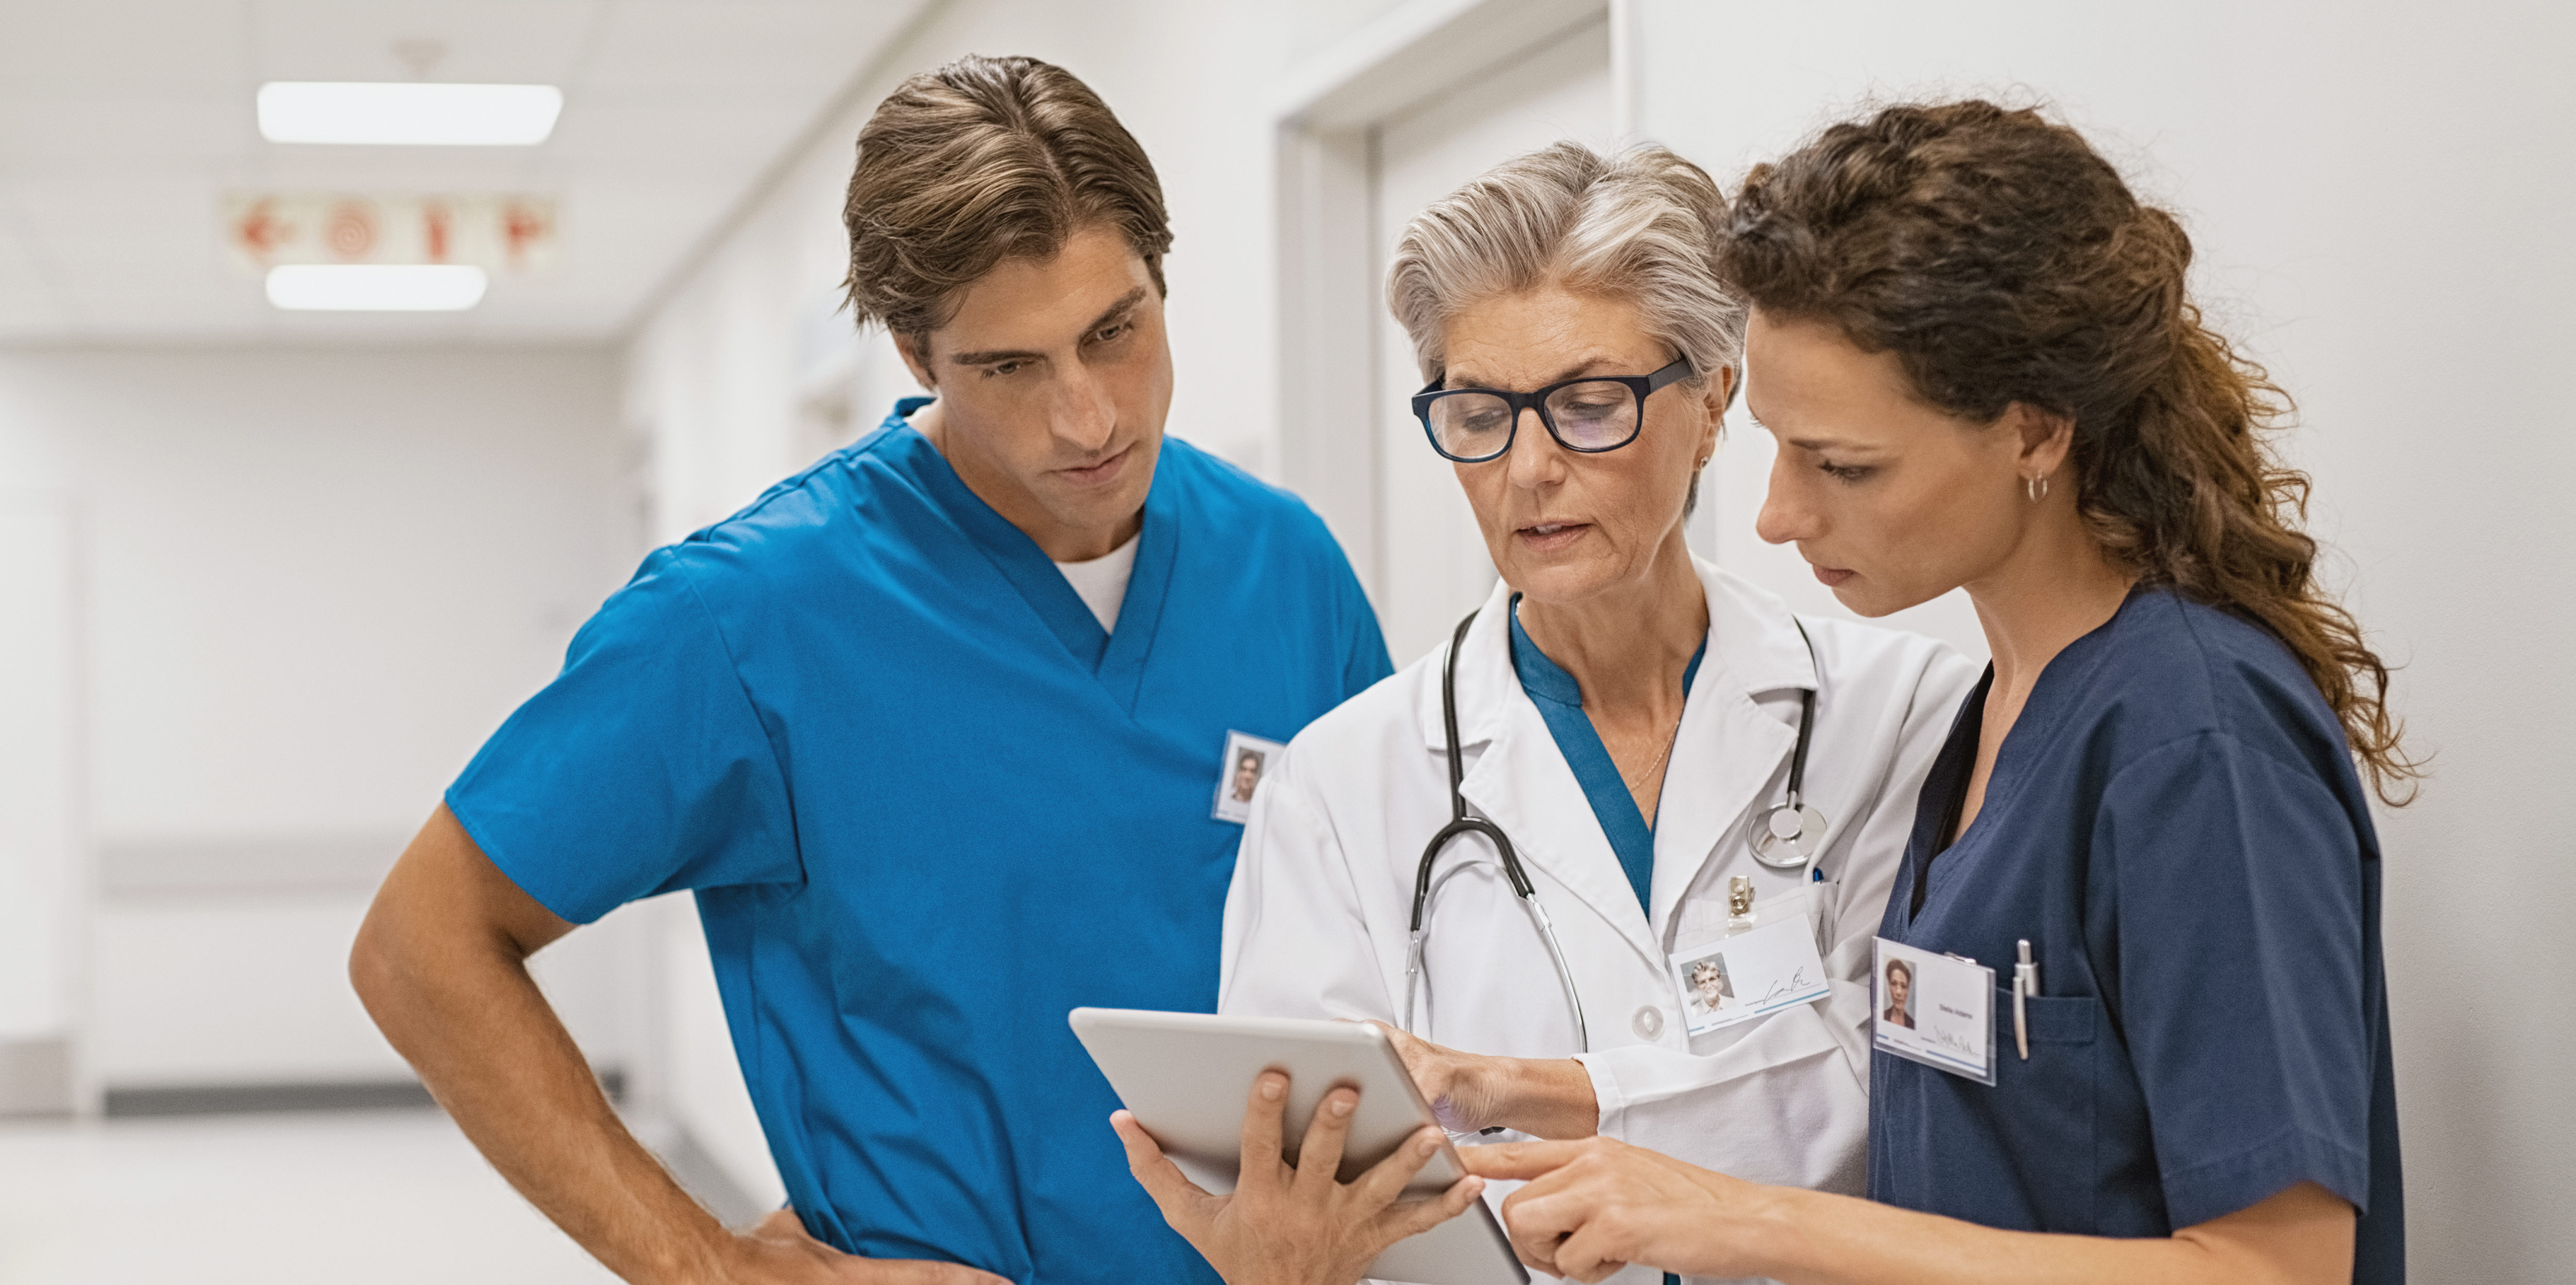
1116, 658
1559, 699
2042, 718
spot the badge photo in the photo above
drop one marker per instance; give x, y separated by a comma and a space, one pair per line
1934, 1009
1239, 774
1751, 973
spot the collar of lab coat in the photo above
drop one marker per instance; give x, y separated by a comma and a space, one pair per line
1726, 751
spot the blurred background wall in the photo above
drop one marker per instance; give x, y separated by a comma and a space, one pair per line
272, 577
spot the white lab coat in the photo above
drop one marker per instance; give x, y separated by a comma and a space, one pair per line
1316, 921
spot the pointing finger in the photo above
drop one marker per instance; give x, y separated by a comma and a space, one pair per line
1519, 1159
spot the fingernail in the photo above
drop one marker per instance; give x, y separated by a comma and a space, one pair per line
1342, 1107
1272, 1086
1429, 1144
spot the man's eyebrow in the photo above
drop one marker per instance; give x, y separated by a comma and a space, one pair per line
1125, 304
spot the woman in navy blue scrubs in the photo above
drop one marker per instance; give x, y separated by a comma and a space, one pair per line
1974, 348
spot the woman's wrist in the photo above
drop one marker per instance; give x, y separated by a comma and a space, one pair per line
1774, 1227
1545, 1097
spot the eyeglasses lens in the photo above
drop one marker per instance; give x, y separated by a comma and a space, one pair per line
1471, 426
1594, 415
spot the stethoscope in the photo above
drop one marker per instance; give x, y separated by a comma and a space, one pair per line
1784, 836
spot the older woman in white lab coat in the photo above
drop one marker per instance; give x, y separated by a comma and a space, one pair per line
1609, 670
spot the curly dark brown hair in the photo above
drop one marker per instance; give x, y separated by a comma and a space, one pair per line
2001, 260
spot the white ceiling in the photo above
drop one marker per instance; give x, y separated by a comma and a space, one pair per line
123, 123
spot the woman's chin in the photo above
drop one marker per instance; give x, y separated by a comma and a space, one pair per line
1559, 585
1869, 600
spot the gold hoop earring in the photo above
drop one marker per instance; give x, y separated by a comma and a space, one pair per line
2037, 487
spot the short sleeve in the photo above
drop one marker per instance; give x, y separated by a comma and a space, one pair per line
1365, 661
2241, 973
641, 769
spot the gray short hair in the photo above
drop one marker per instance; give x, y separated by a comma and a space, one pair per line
1644, 225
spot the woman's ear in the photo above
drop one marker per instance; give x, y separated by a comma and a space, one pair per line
1722, 388
2046, 440
1719, 395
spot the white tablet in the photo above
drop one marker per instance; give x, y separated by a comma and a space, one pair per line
1186, 1077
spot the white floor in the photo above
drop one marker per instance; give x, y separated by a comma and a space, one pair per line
392, 1198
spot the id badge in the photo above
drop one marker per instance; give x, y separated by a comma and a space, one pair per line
1934, 1009
1239, 773
1765, 968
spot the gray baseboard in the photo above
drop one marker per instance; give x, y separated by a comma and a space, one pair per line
36, 1077
136, 1102
689, 1162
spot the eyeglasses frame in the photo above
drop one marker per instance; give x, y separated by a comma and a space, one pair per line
1640, 386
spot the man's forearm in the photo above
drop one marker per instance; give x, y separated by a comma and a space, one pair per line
453, 995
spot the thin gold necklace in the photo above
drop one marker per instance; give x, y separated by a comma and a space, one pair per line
1649, 771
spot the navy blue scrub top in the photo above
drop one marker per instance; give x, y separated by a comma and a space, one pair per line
928, 805
2175, 824
1560, 703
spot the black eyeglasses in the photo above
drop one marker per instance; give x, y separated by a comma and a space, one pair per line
1593, 414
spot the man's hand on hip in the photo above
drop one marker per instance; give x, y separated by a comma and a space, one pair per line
781, 1250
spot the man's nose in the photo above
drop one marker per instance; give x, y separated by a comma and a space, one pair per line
1084, 414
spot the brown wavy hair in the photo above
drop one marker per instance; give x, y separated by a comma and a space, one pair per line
2002, 260
983, 160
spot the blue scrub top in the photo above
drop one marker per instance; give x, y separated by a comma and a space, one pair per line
928, 805
1559, 699
2175, 824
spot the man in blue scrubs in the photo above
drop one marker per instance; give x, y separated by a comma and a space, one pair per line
935, 730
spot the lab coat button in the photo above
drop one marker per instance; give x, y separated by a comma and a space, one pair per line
1648, 1023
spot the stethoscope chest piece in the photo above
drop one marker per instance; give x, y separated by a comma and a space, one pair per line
1791, 835
1786, 836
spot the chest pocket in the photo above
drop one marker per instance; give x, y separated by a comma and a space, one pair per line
2047, 1106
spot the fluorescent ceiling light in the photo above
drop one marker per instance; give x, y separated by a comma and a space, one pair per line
296, 111
375, 287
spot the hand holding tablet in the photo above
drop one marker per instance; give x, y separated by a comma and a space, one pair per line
1300, 1225
1368, 1175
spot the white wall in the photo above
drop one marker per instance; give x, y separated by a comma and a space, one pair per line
40, 840
309, 584
2378, 198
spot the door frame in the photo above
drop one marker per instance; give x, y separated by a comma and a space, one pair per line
1325, 140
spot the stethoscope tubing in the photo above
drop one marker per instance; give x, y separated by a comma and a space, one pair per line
1461, 824
1802, 846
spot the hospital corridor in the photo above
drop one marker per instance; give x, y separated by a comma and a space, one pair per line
678, 640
